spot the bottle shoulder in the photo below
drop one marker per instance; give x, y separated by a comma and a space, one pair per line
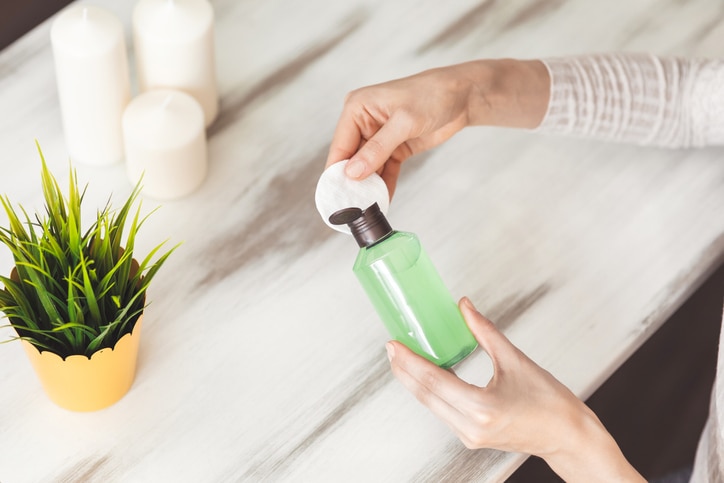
397, 247
397, 240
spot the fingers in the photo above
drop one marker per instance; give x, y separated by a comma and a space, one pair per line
493, 342
474, 413
390, 173
439, 390
368, 147
506, 413
345, 141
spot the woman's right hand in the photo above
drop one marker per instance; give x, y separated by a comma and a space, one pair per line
384, 124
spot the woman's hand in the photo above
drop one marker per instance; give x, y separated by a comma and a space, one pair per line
522, 409
384, 124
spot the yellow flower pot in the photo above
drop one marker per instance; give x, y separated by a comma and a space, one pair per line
80, 383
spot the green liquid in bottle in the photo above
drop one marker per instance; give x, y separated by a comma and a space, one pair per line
412, 300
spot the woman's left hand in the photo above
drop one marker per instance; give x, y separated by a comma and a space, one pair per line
522, 409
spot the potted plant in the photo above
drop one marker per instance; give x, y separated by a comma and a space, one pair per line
75, 296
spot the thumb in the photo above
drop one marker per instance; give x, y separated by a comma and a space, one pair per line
492, 341
378, 149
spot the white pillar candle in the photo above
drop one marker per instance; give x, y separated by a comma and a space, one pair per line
165, 141
174, 45
91, 70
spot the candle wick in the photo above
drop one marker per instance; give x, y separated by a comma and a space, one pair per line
166, 102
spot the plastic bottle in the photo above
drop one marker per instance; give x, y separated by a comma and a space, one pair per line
406, 289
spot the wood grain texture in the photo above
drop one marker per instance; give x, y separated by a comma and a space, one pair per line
262, 360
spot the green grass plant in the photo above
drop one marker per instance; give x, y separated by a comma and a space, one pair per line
75, 290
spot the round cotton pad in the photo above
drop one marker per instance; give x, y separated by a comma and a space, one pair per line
335, 191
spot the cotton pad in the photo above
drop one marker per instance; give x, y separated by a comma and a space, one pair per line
336, 191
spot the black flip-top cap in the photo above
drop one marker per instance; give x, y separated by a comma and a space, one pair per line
367, 227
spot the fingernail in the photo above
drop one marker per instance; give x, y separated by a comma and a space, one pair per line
354, 168
469, 304
390, 351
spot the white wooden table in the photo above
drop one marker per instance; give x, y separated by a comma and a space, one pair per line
262, 360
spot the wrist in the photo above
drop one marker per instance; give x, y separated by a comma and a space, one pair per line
507, 92
589, 453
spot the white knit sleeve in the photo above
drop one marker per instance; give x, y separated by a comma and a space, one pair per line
637, 98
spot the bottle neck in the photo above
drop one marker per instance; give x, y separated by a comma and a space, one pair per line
370, 228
